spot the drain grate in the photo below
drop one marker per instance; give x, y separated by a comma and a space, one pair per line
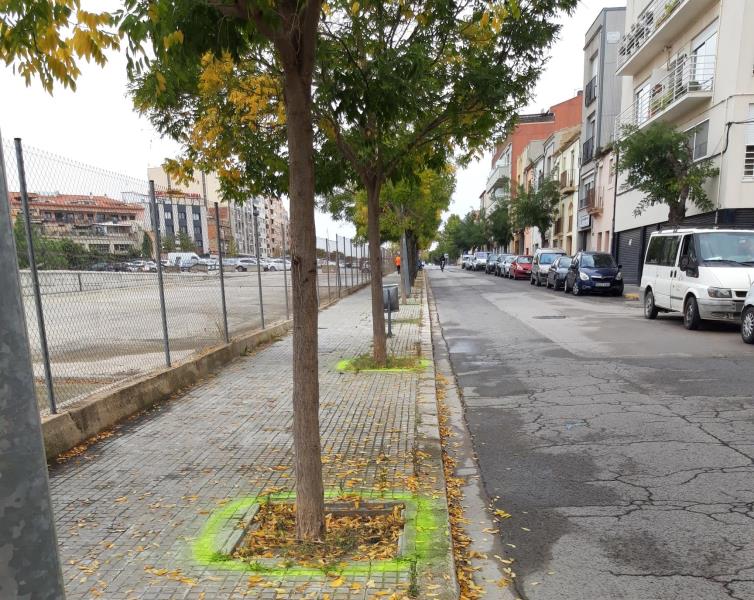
549, 317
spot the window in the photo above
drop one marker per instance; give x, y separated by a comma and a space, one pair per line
671, 250
662, 250
703, 49
597, 261
688, 249
698, 137
196, 216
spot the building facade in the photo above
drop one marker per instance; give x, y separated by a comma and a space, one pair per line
602, 104
689, 63
98, 223
565, 171
508, 164
277, 226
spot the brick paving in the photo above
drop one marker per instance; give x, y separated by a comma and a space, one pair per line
129, 508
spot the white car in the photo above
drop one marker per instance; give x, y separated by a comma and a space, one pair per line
466, 261
747, 318
705, 274
479, 262
278, 264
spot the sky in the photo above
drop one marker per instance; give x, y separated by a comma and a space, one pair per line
96, 125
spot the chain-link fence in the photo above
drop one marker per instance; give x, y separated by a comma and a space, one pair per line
121, 277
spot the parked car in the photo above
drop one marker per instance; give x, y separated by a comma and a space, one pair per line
150, 266
245, 263
277, 264
706, 274
135, 266
747, 318
543, 258
466, 261
479, 262
491, 262
505, 265
520, 268
594, 272
184, 260
557, 271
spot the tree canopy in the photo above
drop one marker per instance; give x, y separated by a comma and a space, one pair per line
536, 206
658, 160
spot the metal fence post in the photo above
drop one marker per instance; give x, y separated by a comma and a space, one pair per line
29, 563
350, 252
222, 275
337, 263
160, 282
345, 272
327, 251
34, 276
285, 274
255, 212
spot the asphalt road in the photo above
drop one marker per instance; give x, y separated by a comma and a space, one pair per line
623, 448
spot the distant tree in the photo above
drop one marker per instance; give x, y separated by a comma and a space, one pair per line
232, 247
659, 161
536, 208
499, 226
22, 247
147, 249
471, 233
185, 243
168, 243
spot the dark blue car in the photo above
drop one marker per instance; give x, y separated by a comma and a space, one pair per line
594, 272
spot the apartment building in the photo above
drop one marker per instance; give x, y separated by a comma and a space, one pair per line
98, 223
602, 105
563, 167
690, 63
507, 164
236, 220
276, 223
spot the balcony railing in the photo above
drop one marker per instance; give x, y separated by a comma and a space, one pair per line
557, 226
499, 177
590, 91
567, 179
690, 80
587, 151
649, 20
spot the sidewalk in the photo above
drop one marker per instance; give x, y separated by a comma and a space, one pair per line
131, 510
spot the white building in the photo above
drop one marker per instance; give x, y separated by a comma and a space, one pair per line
690, 63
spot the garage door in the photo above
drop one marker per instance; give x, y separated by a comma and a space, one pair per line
630, 254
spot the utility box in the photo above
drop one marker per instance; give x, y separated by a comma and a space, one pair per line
390, 297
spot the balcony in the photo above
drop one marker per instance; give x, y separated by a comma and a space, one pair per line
587, 151
685, 87
590, 91
499, 178
557, 226
656, 27
592, 203
567, 181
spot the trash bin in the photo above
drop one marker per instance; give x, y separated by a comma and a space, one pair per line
390, 297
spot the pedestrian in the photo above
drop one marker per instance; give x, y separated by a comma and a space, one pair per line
398, 263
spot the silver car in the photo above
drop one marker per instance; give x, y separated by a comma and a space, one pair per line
747, 318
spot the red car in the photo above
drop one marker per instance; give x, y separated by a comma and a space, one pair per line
520, 267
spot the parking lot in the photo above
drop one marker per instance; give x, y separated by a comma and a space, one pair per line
622, 447
110, 329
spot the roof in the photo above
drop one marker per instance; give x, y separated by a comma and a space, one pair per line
76, 202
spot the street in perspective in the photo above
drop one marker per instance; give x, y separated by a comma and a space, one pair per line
377, 300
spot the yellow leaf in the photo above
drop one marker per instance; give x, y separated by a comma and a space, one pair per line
337, 582
355, 8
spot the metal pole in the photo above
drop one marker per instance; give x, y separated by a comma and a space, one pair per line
350, 251
285, 274
29, 562
405, 279
316, 272
35, 276
327, 251
337, 263
222, 275
345, 272
259, 264
160, 282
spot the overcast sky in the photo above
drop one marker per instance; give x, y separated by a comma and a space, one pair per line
97, 125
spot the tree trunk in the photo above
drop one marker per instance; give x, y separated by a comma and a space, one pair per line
310, 508
379, 340
677, 211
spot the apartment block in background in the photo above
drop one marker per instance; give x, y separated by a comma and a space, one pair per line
562, 155
690, 63
602, 104
507, 166
276, 221
98, 223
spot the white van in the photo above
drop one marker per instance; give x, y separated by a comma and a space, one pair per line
703, 273
184, 260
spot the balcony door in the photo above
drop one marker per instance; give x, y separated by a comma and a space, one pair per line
703, 50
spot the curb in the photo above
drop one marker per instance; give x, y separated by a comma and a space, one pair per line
442, 571
479, 523
87, 418
631, 296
